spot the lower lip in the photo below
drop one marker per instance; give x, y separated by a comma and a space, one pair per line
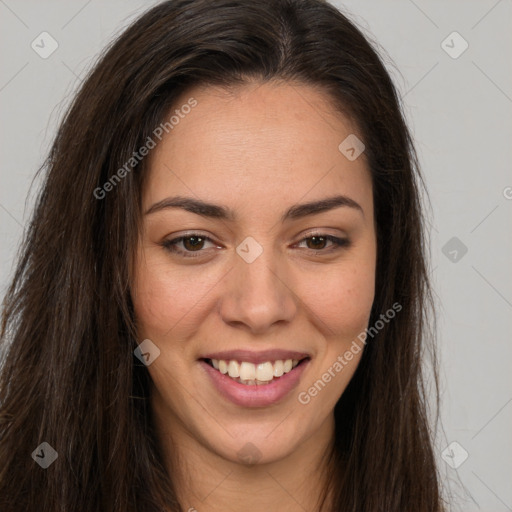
255, 395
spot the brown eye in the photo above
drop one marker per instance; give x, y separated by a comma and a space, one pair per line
318, 242
189, 246
193, 243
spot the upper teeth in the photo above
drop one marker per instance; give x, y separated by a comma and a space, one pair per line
250, 372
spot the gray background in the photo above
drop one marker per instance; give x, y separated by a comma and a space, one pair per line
460, 112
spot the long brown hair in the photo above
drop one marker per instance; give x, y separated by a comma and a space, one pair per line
69, 376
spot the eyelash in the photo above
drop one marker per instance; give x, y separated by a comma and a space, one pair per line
170, 245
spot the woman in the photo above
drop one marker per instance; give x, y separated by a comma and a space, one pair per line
222, 295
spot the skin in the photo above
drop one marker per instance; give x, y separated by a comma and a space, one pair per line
257, 149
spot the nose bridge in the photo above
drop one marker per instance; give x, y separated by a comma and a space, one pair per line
258, 295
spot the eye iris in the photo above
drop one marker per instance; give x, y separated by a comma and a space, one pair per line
196, 244
316, 239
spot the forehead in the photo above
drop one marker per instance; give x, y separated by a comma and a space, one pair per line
256, 144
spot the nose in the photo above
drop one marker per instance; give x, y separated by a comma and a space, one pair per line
258, 295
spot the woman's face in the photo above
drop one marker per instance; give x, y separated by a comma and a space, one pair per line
253, 283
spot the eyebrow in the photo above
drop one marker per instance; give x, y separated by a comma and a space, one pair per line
221, 212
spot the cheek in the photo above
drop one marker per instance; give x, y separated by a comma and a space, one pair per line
165, 298
342, 299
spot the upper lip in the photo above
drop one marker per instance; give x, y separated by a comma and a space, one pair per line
256, 357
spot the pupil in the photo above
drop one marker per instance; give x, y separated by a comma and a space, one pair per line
317, 239
194, 245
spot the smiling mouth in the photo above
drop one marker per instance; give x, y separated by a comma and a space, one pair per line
251, 374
